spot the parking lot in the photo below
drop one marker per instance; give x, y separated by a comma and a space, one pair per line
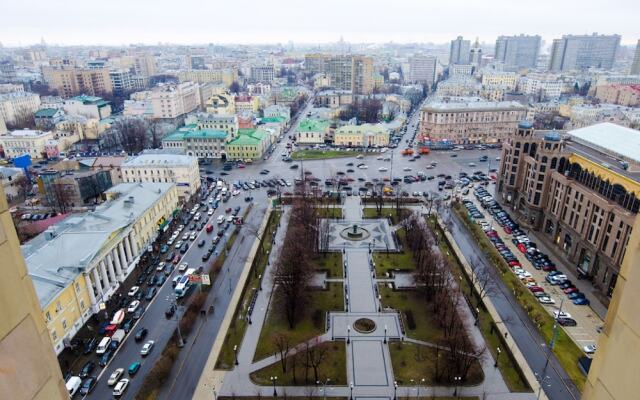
561, 297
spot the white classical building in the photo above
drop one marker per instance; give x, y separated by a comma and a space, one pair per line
162, 167
25, 141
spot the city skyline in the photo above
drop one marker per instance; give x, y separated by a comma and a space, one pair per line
74, 24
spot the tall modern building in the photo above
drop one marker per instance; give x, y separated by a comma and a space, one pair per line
475, 54
518, 51
347, 72
30, 369
635, 66
578, 52
459, 52
614, 371
422, 69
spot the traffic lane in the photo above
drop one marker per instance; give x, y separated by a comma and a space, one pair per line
160, 329
185, 378
520, 327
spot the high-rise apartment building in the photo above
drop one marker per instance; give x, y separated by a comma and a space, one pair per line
635, 66
579, 52
518, 51
347, 72
422, 69
459, 52
167, 101
30, 369
72, 81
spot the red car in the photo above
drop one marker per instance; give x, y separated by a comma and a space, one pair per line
515, 264
176, 259
209, 228
492, 233
570, 289
549, 268
507, 230
536, 289
522, 247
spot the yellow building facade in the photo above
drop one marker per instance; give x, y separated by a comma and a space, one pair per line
77, 264
366, 135
30, 370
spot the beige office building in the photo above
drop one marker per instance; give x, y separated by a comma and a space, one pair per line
30, 369
73, 81
225, 76
614, 371
470, 121
346, 72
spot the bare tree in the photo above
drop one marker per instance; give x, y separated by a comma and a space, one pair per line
282, 342
22, 119
156, 130
316, 355
131, 133
325, 235
482, 279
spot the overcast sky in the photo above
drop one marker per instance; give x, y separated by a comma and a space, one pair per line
116, 22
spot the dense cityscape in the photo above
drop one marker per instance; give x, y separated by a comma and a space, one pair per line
342, 219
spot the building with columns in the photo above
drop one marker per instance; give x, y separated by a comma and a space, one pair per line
77, 264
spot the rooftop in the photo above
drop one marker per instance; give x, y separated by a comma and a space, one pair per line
26, 133
609, 138
478, 105
55, 258
313, 125
159, 160
87, 100
46, 112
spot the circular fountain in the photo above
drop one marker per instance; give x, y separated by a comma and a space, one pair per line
355, 232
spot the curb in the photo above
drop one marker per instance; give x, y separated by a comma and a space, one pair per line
211, 379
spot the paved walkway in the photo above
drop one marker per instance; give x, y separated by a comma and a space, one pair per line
368, 360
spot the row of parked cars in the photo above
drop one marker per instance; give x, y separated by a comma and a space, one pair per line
538, 258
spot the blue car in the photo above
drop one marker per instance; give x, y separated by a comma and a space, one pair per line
581, 301
576, 295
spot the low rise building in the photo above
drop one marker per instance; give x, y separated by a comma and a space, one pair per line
544, 88
246, 103
88, 106
508, 80
250, 144
333, 98
459, 85
221, 103
277, 110
365, 135
26, 141
76, 265
312, 131
172, 168
585, 207
72, 188
624, 95
47, 118
464, 121
225, 76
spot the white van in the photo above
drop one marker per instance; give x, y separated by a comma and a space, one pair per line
73, 385
104, 345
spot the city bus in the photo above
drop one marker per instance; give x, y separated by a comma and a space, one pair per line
183, 286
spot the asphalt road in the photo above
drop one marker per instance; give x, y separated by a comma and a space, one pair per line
556, 383
160, 328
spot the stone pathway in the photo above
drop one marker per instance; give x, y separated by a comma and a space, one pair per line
368, 360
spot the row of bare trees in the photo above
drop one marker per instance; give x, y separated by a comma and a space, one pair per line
293, 270
133, 135
308, 356
442, 295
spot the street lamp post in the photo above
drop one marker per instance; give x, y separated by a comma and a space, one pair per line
497, 357
422, 381
348, 334
324, 388
273, 380
235, 352
395, 390
385, 334
457, 380
351, 387
477, 316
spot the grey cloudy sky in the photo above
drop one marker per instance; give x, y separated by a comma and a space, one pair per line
117, 22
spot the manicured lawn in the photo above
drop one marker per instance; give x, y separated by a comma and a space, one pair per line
385, 212
330, 212
238, 324
417, 362
330, 262
393, 261
412, 302
334, 367
322, 154
310, 325
565, 349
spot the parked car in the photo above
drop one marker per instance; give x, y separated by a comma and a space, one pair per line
86, 369
589, 349
581, 301
120, 388
567, 321
88, 385
146, 349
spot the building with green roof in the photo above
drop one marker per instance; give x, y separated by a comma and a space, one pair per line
312, 131
249, 145
201, 143
88, 106
47, 118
